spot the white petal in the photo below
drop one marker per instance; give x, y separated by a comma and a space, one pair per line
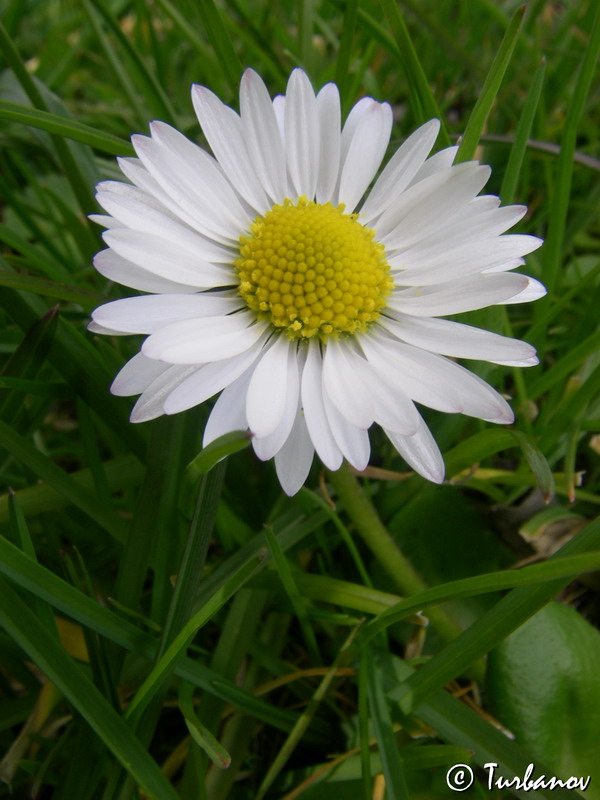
267, 393
411, 376
467, 259
464, 341
94, 327
421, 452
200, 341
440, 196
139, 215
267, 446
279, 109
152, 312
328, 107
429, 377
264, 143
223, 131
356, 113
209, 379
352, 441
345, 387
293, 461
393, 409
137, 374
479, 219
401, 169
167, 259
302, 135
365, 153
314, 409
202, 175
533, 291
458, 296
151, 402
122, 271
175, 200
229, 412
187, 186
106, 221
437, 163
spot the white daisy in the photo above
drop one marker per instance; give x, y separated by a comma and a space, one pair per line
313, 311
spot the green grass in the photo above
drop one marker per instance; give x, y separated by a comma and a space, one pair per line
165, 613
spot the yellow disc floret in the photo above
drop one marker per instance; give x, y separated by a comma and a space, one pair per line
312, 270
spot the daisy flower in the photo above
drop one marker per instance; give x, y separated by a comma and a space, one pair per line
312, 303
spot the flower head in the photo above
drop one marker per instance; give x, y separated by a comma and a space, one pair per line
311, 303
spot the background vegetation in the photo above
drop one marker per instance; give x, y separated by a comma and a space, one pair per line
285, 649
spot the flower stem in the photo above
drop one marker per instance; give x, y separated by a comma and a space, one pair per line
385, 549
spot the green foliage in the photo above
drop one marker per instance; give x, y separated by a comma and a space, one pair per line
164, 618
543, 685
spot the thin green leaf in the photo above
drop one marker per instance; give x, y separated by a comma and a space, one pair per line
122, 473
45, 468
194, 555
519, 147
23, 538
306, 14
154, 91
58, 291
426, 106
222, 43
174, 652
493, 626
557, 373
38, 580
455, 722
342, 68
22, 624
78, 362
395, 782
27, 360
199, 732
65, 127
491, 86
295, 597
568, 566
35, 255
222, 447
538, 464
305, 719
561, 187
72, 171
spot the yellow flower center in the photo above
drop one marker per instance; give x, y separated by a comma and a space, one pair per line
312, 270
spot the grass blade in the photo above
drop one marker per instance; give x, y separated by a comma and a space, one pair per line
45, 468
517, 151
185, 636
561, 194
492, 627
295, 597
222, 43
305, 719
65, 127
199, 732
81, 188
42, 583
425, 104
21, 623
395, 783
57, 291
566, 567
491, 86
210, 455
